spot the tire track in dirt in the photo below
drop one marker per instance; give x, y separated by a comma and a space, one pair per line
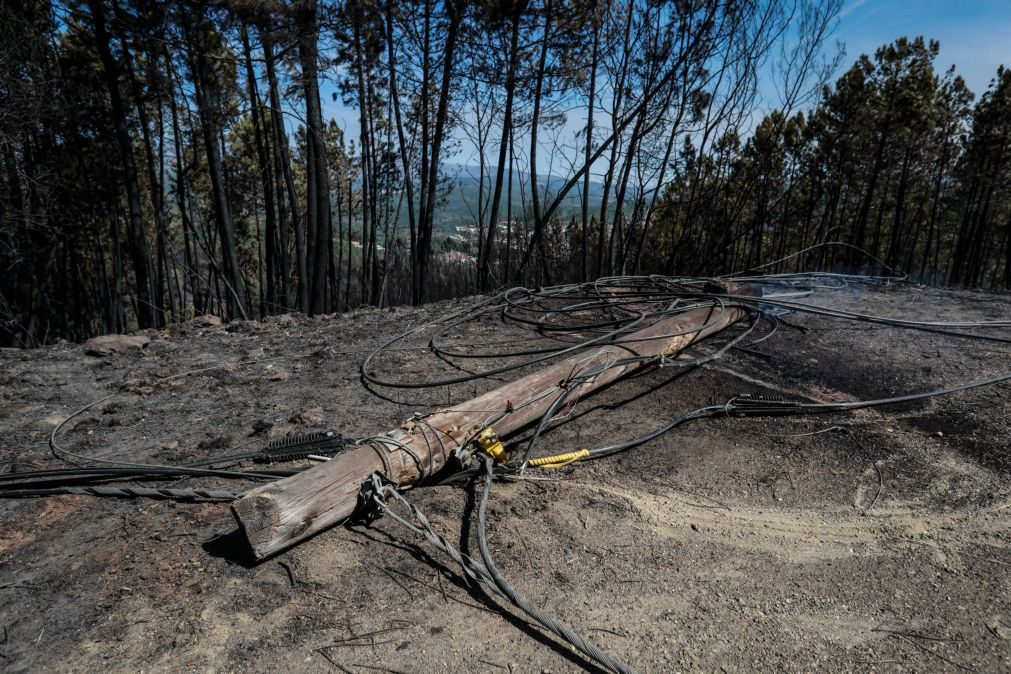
806, 535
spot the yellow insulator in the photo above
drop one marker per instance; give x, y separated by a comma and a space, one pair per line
489, 442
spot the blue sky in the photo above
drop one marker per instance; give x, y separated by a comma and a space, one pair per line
975, 35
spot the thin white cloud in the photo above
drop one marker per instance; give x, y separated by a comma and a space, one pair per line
849, 7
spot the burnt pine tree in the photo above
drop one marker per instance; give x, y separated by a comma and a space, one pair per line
146, 315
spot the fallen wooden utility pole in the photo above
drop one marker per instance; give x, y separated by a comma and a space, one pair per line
282, 513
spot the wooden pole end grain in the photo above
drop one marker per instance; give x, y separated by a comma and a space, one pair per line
282, 513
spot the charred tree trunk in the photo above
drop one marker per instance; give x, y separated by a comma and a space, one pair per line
585, 206
405, 159
208, 106
455, 9
146, 315
507, 122
318, 228
282, 162
537, 241
266, 180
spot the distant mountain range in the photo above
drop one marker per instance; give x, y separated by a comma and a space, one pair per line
460, 206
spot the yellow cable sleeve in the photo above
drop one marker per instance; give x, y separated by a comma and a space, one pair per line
560, 460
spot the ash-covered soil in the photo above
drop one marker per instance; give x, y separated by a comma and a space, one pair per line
733, 544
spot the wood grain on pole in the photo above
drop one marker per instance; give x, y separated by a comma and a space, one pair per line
282, 513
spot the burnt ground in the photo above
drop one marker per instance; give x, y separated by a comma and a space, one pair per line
734, 544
